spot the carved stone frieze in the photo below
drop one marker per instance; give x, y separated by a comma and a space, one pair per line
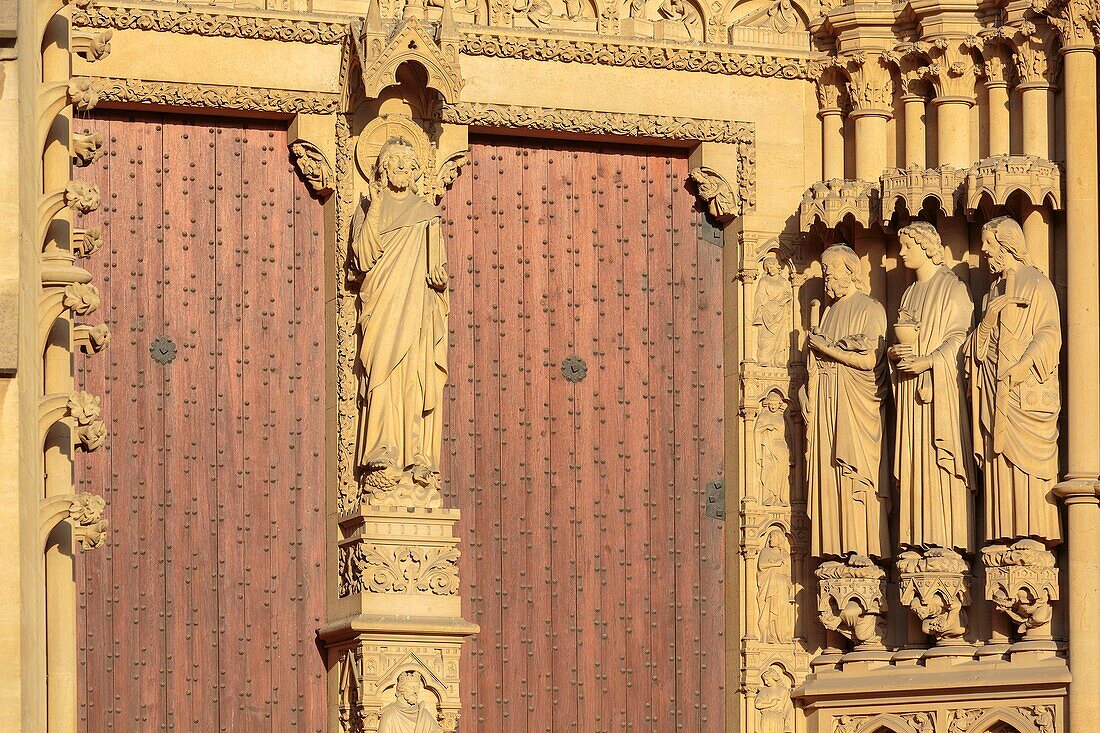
1021, 580
829, 202
313, 166
171, 19
852, 600
374, 568
598, 123
636, 54
964, 720
1000, 176
93, 90
936, 586
912, 186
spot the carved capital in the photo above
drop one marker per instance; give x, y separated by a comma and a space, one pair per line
1021, 580
852, 600
716, 193
870, 84
1076, 21
953, 68
84, 511
1035, 57
313, 167
936, 587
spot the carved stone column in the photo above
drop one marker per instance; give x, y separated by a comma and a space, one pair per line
1076, 23
871, 89
996, 69
831, 102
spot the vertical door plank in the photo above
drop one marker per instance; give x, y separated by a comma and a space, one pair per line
590, 504
310, 311
562, 449
711, 456
662, 499
512, 449
232, 449
638, 598
536, 235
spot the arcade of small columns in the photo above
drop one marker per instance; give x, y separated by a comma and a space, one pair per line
961, 78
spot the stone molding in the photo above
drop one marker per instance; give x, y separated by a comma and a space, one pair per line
175, 94
636, 54
475, 41
216, 24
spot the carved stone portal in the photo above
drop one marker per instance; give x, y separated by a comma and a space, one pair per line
852, 600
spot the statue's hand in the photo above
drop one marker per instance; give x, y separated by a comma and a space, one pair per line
1018, 373
998, 304
897, 352
818, 342
438, 278
915, 364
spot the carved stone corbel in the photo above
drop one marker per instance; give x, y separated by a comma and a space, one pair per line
87, 148
80, 412
1021, 580
852, 600
91, 339
313, 166
86, 242
83, 510
91, 45
936, 587
720, 198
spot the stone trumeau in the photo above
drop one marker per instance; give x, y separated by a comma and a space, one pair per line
407, 366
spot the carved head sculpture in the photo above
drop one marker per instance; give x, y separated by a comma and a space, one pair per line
774, 402
776, 539
771, 265
398, 166
1003, 244
843, 271
773, 676
408, 687
920, 242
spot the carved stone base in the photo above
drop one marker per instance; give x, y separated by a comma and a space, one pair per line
852, 600
1021, 581
936, 587
400, 617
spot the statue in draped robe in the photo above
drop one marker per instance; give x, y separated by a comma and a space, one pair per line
772, 315
843, 403
773, 452
407, 714
933, 458
403, 308
773, 702
1013, 362
776, 596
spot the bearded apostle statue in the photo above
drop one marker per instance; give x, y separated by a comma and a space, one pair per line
843, 404
403, 307
1013, 365
933, 459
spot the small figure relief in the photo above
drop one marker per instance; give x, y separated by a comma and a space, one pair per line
539, 12
777, 591
1014, 382
682, 14
933, 458
397, 247
773, 702
843, 403
783, 17
772, 315
773, 452
408, 714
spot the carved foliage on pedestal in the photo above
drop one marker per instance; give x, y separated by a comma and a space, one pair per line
852, 600
936, 587
1021, 581
375, 568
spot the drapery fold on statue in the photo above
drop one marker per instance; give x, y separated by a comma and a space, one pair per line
933, 457
848, 488
403, 323
1016, 433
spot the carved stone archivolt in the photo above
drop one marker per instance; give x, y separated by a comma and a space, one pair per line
91, 90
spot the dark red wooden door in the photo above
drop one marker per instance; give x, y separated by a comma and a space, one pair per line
201, 611
587, 560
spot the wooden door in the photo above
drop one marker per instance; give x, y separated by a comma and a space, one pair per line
200, 613
588, 559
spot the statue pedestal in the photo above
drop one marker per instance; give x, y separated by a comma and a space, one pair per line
398, 610
936, 587
1022, 581
852, 601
